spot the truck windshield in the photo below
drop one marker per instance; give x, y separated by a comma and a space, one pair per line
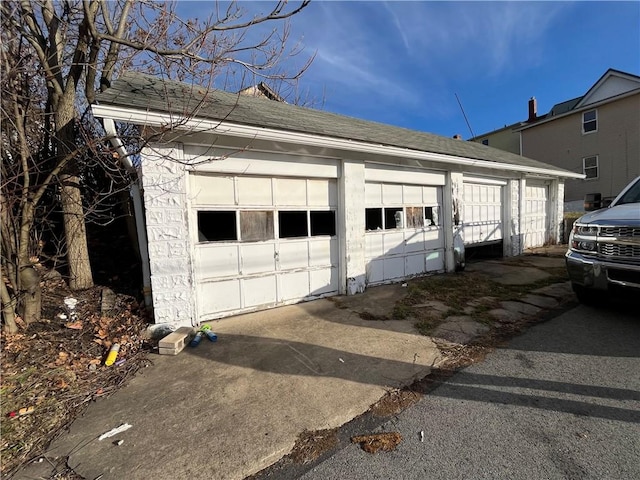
632, 195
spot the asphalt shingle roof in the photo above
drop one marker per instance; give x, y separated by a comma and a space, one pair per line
144, 92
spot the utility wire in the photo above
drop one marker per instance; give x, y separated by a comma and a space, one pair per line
465, 116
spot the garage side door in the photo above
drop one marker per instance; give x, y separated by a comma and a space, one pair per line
403, 231
262, 241
536, 200
482, 213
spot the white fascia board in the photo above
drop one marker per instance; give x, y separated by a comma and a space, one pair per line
143, 117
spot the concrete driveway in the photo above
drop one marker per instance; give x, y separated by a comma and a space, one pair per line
229, 409
226, 410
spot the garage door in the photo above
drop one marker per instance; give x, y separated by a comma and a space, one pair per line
482, 213
403, 231
262, 241
536, 199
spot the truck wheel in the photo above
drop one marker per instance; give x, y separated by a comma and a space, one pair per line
587, 296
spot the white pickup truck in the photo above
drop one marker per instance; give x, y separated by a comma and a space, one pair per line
604, 247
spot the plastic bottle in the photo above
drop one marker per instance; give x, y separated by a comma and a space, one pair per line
113, 354
209, 333
196, 340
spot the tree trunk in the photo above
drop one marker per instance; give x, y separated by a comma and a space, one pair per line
8, 309
31, 301
75, 233
71, 199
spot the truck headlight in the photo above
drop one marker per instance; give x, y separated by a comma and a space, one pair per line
585, 230
583, 245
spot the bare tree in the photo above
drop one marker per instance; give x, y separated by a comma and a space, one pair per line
76, 47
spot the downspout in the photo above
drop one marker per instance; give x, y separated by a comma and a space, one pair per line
138, 213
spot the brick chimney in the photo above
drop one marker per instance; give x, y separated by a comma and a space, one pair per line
533, 109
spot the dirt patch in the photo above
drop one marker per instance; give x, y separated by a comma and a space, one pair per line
55, 368
310, 445
378, 442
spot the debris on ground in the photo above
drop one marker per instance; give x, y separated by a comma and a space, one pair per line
54, 368
115, 431
376, 442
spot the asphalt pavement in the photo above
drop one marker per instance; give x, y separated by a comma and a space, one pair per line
562, 401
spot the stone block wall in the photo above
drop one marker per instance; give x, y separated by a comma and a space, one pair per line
164, 184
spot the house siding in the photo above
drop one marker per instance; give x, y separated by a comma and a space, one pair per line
616, 142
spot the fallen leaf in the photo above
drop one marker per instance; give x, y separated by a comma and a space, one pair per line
74, 325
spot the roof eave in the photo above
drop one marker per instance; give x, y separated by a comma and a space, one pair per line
162, 119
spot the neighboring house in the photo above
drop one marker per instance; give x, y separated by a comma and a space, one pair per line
597, 134
251, 204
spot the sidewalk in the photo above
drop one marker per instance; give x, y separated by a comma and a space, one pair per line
227, 410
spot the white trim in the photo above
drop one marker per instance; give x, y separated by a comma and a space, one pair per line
405, 176
483, 180
247, 131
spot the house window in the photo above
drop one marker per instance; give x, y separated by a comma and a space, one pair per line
485, 141
590, 167
217, 226
590, 121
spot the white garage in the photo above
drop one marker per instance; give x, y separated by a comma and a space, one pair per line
252, 203
262, 241
483, 212
403, 224
536, 204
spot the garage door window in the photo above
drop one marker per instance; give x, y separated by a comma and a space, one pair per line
431, 214
256, 225
217, 226
415, 217
323, 222
292, 224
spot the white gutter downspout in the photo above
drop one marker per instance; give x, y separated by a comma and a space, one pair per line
138, 213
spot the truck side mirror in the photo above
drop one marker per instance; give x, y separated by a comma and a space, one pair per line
592, 201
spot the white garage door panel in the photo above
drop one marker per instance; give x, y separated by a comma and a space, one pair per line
323, 252
482, 213
242, 274
323, 281
393, 243
322, 193
414, 264
293, 254
294, 285
393, 268
254, 191
375, 271
396, 253
414, 241
291, 191
374, 246
435, 260
217, 261
257, 258
535, 216
217, 297
259, 291
212, 190
391, 194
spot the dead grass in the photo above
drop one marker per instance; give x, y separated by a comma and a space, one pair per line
57, 371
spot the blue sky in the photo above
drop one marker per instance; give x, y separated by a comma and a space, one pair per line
402, 63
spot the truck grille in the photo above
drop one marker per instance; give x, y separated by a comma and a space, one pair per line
619, 232
617, 250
